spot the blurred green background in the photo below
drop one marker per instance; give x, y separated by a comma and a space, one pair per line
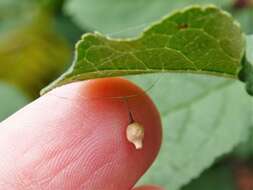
37, 40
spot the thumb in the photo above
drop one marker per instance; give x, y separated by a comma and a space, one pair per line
74, 138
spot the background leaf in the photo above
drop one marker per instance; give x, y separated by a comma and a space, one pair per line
126, 18
203, 120
48, 54
245, 18
11, 99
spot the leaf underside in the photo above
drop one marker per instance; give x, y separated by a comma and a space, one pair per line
204, 40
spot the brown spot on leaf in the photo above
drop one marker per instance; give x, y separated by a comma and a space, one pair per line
183, 26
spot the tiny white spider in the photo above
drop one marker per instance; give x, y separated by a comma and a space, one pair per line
135, 134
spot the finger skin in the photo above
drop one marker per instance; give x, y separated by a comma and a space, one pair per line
73, 138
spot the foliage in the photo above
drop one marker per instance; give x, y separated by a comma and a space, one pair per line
7, 93
45, 49
126, 18
206, 118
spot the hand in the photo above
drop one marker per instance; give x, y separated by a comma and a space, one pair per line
74, 138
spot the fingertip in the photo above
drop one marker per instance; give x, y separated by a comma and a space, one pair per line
74, 137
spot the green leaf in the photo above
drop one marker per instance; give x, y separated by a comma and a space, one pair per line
123, 18
203, 118
204, 40
246, 72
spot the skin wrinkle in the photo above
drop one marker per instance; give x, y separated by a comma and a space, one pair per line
87, 139
25, 178
26, 175
78, 141
91, 177
50, 155
69, 162
83, 180
20, 183
89, 151
30, 185
115, 163
111, 159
